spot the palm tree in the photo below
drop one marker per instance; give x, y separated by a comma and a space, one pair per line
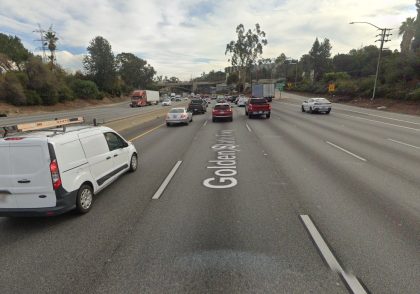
407, 30
51, 41
416, 42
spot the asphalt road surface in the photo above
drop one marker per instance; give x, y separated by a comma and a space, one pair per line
297, 203
104, 113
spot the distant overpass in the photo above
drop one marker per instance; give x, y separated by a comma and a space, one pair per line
191, 86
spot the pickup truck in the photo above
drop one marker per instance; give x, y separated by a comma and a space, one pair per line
257, 107
197, 106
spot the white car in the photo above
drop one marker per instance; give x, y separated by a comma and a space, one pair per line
316, 105
242, 101
166, 102
49, 171
178, 115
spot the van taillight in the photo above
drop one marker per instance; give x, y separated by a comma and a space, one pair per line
14, 139
55, 174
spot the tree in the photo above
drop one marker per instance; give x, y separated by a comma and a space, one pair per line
12, 53
173, 80
233, 78
134, 71
42, 80
281, 59
320, 57
100, 64
407, 31
51, 41
416, 42
247, 47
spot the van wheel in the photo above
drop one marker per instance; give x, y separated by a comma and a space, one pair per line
133, 163
84, 199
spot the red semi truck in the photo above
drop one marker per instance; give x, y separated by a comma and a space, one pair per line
140, 98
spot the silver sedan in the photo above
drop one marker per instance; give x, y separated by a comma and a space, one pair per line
178, 115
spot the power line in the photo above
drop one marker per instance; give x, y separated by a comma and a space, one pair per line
42, 40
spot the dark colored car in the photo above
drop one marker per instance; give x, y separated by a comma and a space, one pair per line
257, 107
222, 111
197, 106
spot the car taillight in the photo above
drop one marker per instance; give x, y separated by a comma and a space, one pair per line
269, 106
55, 174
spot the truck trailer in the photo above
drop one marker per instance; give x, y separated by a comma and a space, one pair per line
140, 98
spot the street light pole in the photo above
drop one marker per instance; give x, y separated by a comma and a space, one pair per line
384, 35
295, 63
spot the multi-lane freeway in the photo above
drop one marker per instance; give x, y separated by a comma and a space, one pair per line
298, 203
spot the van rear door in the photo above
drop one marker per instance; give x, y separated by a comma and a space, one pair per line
29, 178
7, 200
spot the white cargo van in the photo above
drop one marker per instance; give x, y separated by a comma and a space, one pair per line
45, 172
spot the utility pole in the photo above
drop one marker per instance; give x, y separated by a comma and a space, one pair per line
384, 37
42, 40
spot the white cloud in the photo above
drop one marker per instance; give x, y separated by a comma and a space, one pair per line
175, 42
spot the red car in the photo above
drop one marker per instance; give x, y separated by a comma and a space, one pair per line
222, 111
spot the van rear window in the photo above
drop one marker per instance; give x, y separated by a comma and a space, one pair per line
27, 159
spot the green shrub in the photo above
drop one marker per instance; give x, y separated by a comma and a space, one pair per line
335, 76
101, 95
49, 94
414, 95
33, 98
11, 90
85, 89
346, 87
65, 93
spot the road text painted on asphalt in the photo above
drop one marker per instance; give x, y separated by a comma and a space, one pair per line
225, 164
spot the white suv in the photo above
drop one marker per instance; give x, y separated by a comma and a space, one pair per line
316, 105
52, 171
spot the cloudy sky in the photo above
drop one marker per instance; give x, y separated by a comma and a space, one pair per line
183, 38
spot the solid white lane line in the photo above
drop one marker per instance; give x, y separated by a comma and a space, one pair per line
376, 121
351, 281
344, 150
381, 116
402, 143
249, 129
166, 181
205, 123
287, 103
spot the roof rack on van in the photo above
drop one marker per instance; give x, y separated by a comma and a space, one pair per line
42, 125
